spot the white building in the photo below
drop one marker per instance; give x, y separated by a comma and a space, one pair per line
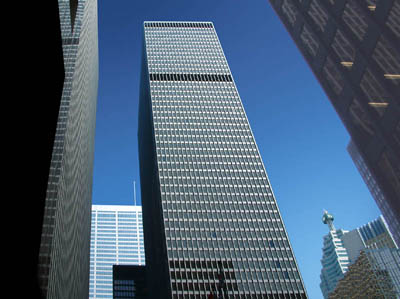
335, 259
116, 239
342, 248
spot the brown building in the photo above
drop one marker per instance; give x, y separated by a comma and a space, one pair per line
374, 274
353, 48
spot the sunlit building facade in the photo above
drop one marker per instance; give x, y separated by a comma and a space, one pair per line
63, 266
353, 49
335, 259
116, 239
342, 248
211, 221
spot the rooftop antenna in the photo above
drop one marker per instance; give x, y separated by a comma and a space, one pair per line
134, 192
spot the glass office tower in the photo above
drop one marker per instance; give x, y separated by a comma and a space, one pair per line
116, 239
63, 267
391, 220
353, 49
211, 222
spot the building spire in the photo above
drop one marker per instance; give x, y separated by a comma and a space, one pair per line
328, 219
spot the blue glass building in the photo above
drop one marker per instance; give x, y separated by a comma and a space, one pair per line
116, 239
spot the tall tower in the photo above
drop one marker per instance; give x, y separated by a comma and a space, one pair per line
63, 267
353, 48
211, 222
335, 259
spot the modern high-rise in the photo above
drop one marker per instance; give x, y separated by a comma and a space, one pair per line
63, 267
116, 239
391, 220
353, 48
211, 221
374, 274
335, 260
342, 248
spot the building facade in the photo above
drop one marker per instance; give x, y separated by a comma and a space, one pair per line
207, 202
375, 273
353, 49
342, 248
116, 239
63, 267
391, 220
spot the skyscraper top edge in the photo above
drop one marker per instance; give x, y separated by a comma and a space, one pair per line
144, 22
185, 24
116, 207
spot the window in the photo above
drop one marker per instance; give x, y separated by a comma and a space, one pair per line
318, 14
333, 76
343, 49
309, 40
354, 17
393, 20
289, 11
388, 59
374, 92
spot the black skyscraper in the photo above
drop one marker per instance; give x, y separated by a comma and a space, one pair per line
211, 222
353, 48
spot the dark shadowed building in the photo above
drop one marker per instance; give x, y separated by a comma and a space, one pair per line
129, 282
353, 49
64, 252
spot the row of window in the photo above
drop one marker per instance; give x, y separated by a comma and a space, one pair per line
193, 97
168, 88
201, 119
208, 215
197, 126
183, 67
161, 42
223, 205
256, 244
185, 59
191, 77
178, 25
122, 218
248, 288
226, 224
272, 232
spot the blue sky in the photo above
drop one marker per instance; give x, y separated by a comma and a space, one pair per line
301, 139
